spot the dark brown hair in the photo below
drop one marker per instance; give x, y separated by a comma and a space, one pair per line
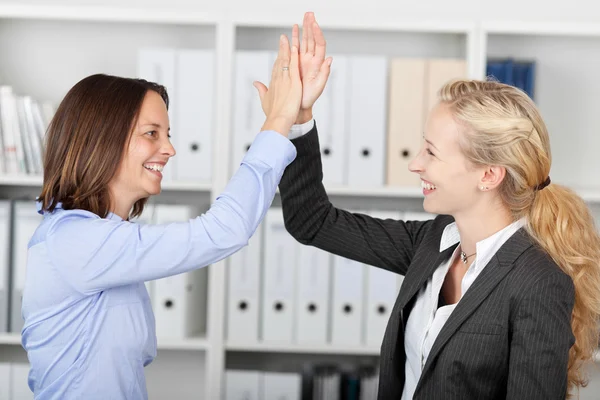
87, 139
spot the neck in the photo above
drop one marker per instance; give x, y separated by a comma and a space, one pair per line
120, 205
476, 226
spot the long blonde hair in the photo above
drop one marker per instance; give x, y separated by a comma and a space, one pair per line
505, 128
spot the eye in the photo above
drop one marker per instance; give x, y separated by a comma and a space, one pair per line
429, 152
151, 133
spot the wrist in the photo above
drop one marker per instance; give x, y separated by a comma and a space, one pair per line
278, 124
304, 115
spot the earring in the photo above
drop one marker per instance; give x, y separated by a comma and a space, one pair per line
484, 188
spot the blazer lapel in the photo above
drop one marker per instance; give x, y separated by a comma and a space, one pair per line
497, 268
422, 268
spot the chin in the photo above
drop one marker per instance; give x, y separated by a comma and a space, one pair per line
153, 190
430, 207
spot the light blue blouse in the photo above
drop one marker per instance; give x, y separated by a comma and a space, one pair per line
89, 328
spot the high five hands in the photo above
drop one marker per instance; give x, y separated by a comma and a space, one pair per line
295, 94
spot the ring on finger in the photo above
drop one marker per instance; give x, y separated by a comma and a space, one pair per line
285, 68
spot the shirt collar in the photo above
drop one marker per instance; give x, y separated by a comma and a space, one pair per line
110, 215
451, 236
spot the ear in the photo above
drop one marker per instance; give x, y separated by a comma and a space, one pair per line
492, 177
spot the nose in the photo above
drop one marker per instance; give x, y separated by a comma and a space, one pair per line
167, 148
415, 165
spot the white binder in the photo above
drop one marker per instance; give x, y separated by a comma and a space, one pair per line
179, 300
313, 307
4, 263
248, 116
19, 382
347, 308
26, 221
157, 64
367, 94
281, 386
5, 381
330, 116
243, 299
195, 80
278, 280
382, 290
243, 385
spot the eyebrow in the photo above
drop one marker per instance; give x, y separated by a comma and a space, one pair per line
155, 125
430, 143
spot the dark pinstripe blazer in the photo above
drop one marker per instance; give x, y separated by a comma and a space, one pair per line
508, 337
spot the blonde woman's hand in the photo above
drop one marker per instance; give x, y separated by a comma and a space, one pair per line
314, 67
281, 100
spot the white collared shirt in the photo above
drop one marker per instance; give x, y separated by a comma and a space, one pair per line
425, 320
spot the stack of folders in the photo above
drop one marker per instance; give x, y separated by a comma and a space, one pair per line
13, 382
282, 292
189, 76
179, 301
388, 98
315, 382
23, 124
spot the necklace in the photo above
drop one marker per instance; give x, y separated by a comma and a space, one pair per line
464, 257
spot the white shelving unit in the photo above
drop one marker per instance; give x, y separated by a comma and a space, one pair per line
67, 43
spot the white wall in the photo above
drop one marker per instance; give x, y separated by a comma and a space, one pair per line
538, 10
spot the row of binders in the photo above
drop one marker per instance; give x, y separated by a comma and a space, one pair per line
370, 116
315, 382
13, 381
282, 292
23, 122
179, 301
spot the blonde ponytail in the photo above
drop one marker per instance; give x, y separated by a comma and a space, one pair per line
564, 227
504, 127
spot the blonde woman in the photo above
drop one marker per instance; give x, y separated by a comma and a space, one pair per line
501, 292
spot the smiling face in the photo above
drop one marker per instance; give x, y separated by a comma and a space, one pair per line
450, 183
149, 149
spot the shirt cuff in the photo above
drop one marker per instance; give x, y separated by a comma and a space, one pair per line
272, 149
301, 129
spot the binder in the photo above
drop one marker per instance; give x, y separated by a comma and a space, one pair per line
242, 385
195, 80
313, 288
243, 291
248, 116
5, 244
157, 64
330, 117
281, 386
406, 119
381, 290
367, 120
439, 72
348, 302
26, 220
279, 277
179, 300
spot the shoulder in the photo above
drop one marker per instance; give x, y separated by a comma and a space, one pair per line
535, 270
78, 225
